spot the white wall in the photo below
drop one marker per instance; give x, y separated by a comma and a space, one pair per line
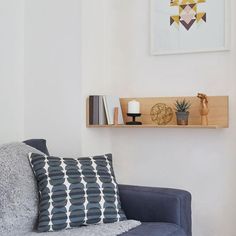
57, 34
104, 48
53, 108
95, 69
201, 161
11, 70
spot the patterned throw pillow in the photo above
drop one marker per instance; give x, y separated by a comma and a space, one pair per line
75, 192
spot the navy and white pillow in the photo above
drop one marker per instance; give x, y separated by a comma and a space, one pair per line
76, 191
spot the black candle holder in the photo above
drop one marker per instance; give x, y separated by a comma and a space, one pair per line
133, 122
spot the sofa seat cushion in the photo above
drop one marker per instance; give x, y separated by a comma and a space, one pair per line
112, 229
156, 229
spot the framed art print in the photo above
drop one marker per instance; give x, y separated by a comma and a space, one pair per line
188, 26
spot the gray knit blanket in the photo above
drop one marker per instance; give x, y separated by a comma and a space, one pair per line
19, 199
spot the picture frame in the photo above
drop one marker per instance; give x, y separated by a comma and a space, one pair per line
180, 29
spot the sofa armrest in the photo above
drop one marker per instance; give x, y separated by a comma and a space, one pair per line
148, 204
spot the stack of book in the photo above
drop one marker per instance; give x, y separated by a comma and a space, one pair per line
101, 110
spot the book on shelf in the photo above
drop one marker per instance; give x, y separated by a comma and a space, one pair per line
93, 110
101, 110
97, 115
110, 102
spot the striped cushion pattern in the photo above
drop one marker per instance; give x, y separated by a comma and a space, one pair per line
76, 191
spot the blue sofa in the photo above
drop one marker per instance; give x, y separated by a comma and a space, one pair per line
162, 211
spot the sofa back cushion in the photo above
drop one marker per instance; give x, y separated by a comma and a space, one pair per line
18, 190
76, 191
39, 144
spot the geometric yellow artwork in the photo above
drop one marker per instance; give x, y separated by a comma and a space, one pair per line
188, 13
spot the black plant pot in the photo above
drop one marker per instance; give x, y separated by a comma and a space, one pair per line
182, 118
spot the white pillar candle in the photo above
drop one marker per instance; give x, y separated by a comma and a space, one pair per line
133, 107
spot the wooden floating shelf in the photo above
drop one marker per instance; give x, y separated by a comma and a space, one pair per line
156, 126
218, 113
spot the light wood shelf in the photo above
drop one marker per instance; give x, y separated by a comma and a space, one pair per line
156, 126
218, 113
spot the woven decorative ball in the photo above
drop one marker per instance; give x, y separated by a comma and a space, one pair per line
161, 114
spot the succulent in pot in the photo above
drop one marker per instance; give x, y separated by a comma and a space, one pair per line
182, 111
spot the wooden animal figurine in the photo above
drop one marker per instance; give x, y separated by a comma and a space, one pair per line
204, 108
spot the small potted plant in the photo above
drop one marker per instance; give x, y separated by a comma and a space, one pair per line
182, 111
